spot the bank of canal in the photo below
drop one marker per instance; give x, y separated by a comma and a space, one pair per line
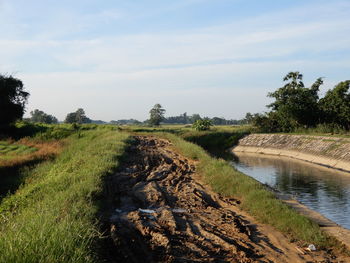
324, 190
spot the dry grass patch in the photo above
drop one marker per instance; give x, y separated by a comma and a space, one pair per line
14, 153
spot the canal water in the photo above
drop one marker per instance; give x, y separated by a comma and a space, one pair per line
324, 190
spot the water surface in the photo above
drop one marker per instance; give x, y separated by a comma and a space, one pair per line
324, 190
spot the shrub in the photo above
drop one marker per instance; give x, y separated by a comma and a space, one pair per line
202, 125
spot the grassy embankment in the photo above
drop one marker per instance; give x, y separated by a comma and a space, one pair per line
29, 145
255, 199
52, 216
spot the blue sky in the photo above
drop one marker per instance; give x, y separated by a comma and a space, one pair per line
116, 59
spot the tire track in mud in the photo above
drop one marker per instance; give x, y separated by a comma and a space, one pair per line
160, 213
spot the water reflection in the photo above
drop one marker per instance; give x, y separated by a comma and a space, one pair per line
322, 189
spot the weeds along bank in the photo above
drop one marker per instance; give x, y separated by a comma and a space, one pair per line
255, 199
52, 216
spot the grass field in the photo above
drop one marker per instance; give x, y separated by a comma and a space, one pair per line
52, 216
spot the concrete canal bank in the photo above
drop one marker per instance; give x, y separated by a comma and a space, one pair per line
330, 152
327, 151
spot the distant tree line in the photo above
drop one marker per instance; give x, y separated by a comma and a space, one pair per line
125, 122
40, 116
296, 106
190, 119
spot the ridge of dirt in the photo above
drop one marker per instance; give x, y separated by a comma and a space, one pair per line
161, 212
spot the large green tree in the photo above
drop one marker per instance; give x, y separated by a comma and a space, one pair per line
13, 99
295, 105
40, 116
77, 117
156, 115
336, 105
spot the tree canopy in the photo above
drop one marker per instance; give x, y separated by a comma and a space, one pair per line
336, 105
77, 117
156, 115
295, 105
13, 99
40, 116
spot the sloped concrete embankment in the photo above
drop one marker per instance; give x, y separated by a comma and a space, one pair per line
327, 151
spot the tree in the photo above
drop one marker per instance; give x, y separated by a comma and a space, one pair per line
294, 105
156, 115
77, 117
335, 105
195, 117
40, 116
202, 125
218, 121
13, 99
248, 119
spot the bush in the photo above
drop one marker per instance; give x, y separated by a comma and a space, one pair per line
202, 125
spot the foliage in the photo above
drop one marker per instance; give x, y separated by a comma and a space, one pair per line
156, 115
215, 142
202, 125
52, 217
13, 98
125, 122
219, 121
77, 117
336, 105
40, 116
295, 106
190, 119
182, 118
298, 108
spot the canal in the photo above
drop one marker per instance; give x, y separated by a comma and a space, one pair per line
324, 190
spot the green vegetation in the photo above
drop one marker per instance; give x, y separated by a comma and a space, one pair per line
296, 108
202, 125
8, 149
40, 116
255, 199
336, 106
216, 142
52, 216
190, 119
156, 115
12, 101
77, 117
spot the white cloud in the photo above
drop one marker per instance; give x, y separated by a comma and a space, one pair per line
224, 70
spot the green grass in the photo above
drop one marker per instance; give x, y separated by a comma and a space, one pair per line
182, 129
216, 142
12, 149
255, 199
52, 217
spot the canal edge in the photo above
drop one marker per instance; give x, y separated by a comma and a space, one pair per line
328, 226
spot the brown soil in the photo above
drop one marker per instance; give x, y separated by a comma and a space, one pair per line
162, 212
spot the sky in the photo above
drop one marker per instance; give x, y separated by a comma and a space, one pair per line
116, 59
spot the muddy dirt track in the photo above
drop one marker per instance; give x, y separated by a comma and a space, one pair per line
160, 211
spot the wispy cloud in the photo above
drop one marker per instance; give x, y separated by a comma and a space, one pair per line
91, 53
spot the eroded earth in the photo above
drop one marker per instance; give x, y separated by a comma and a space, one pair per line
161, 211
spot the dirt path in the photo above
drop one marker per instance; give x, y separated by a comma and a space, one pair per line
161, 212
